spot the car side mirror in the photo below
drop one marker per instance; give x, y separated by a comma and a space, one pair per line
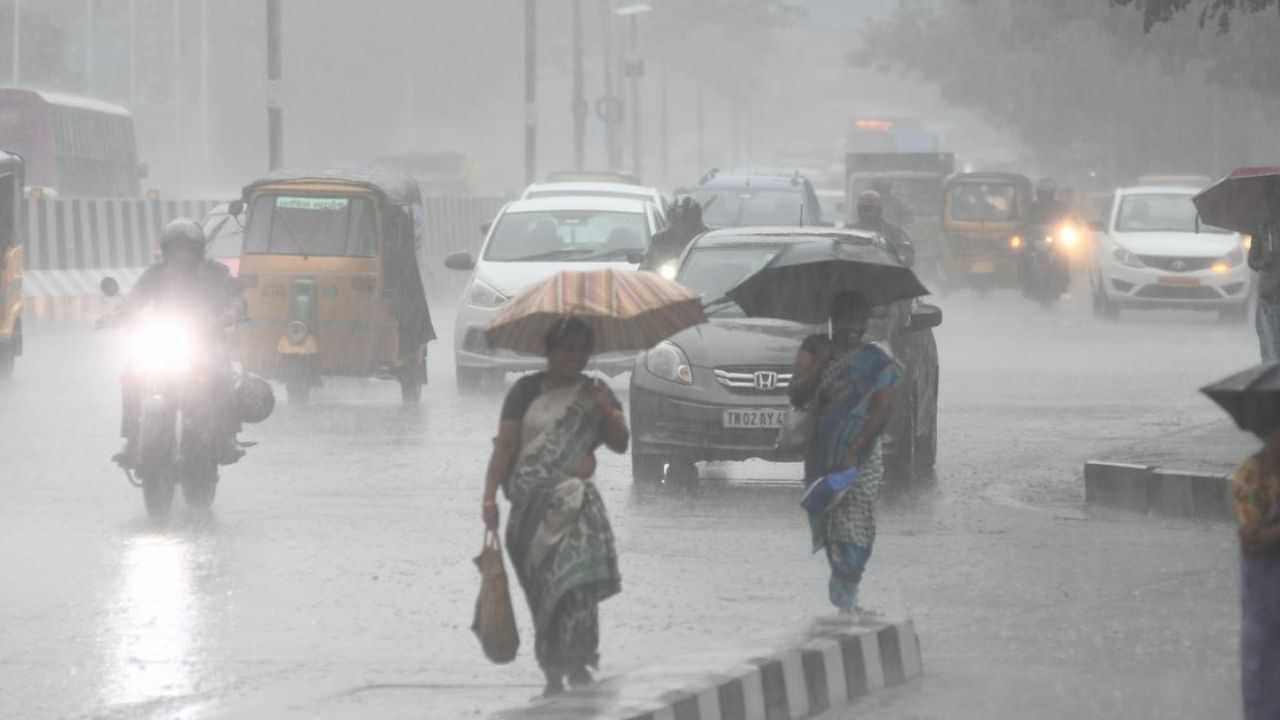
484, 229
235, 207
459, 261
109, 287
635, 257
925, 317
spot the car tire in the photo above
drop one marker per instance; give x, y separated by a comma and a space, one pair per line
647, 469
899, 466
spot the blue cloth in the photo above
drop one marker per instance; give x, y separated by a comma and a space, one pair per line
847, 561
824, 492
844, 398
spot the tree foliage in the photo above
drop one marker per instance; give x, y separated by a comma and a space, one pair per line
1217, 12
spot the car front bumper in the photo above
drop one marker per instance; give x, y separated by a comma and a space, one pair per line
1132, 287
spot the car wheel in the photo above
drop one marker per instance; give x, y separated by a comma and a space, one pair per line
899, 464
647, 469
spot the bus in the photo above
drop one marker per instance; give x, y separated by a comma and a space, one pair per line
73, 146
890, 135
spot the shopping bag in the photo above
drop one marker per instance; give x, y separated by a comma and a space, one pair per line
796, 432
826, 490
495, 621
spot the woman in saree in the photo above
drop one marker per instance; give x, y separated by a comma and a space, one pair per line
847, 384
1255, 492
558, 534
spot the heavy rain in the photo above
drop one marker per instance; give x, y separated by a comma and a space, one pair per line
713, 359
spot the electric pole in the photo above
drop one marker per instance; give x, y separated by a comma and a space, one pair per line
579, 92
530, 90
635, 68
17, 42
275, 116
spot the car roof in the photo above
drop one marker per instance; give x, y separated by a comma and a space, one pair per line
593, 187
1158, 190
763, 181
577, 202
779, 234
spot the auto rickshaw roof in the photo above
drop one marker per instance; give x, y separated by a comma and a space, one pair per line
990, 176
398, 188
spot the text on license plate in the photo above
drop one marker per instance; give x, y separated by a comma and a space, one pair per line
1179, 281
754, 418
983, 266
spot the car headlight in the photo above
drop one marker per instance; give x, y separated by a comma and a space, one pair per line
1124, 257
482, 295
669, 362
1015, 242
668, 270
163, 345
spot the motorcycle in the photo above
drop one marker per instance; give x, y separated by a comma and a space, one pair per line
1046, 259
176, 372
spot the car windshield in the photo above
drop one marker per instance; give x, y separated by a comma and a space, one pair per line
1160, 212
983, 202
739, 207
713, 271
923, 196
568, 235
321, 226
226, 237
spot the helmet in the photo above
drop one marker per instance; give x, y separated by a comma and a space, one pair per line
255, 400
182, 231
870, 205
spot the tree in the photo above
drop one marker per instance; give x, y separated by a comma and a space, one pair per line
1155, 12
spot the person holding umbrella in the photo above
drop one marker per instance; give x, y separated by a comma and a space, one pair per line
558, 532
847, 385
1252, 398
1264, 258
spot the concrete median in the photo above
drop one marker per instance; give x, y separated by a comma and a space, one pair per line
826, 666
1157, 491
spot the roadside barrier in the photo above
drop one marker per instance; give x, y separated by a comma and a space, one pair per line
1146, 489
825, 668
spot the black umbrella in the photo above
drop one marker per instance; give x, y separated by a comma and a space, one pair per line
1243, 201
1251, 398
802, 280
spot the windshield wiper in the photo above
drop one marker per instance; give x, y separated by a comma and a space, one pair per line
718, 303
613, 254
552, 255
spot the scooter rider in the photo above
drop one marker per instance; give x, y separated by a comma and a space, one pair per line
1045, 212
184, 278
871, 217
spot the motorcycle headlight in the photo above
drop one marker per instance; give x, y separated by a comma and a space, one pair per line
668, 270
1124, 257
163, 345
669, 362
480, 294
1068, 237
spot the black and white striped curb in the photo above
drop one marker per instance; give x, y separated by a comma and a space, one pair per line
828, 666
1147, 489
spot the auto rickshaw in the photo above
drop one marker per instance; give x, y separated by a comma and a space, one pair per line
12, 230
984, 222
330, 274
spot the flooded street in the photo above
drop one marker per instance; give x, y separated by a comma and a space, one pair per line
334, 575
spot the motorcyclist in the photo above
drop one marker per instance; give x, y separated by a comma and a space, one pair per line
895, 210
667, 245
1046, 211
870, 212
184, 278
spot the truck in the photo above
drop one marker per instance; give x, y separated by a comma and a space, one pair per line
915, 182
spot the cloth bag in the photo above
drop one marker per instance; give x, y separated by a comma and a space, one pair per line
796, 431
495, 620
827, 490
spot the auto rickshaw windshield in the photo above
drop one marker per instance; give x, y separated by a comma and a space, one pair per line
313, 226
983, 202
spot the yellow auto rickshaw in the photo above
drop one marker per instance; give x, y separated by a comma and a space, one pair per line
330, 275
12, 230
984, 223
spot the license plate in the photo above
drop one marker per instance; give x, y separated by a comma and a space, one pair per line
754, 418
983, 266
1178, 281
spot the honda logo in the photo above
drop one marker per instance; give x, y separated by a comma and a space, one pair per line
766, 380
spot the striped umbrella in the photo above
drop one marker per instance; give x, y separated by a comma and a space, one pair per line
627, 309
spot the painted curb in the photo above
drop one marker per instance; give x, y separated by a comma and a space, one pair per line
825, 667
1151, 490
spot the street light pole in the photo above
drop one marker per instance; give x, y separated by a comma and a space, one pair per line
530, 90
610, 102
275, 116
17, 42
634, 70
579, 92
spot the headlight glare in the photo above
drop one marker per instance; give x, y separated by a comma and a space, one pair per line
163, 345
668, 361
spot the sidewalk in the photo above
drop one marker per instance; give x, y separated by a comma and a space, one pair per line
1180, 474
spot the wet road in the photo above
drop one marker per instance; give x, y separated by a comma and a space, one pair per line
334, 577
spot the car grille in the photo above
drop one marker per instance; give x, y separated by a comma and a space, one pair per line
1175, 292
749, 380
1178, 264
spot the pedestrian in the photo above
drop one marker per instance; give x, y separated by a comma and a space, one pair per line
1263, 260
847, 384
558, 533
1255, 491
870, 217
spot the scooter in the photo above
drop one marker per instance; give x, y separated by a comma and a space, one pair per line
1046, 262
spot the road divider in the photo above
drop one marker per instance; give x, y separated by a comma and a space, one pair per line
1157, 491
828, 665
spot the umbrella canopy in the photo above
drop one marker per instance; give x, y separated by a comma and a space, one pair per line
802, 280
1251, 398
627, 309
1243, 201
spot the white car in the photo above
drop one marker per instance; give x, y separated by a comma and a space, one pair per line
598, 189
529, 241
1153, 253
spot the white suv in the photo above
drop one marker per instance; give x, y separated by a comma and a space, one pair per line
1154, 253
529, 241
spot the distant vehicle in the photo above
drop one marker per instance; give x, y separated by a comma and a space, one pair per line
225, 234
916, 182
608, 176
13, 228
1194, 181
442, 173
984, 225
598, 189
718, 391
72, 145
529, 241
890, 135
834, 207
1153, 253
743, 199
